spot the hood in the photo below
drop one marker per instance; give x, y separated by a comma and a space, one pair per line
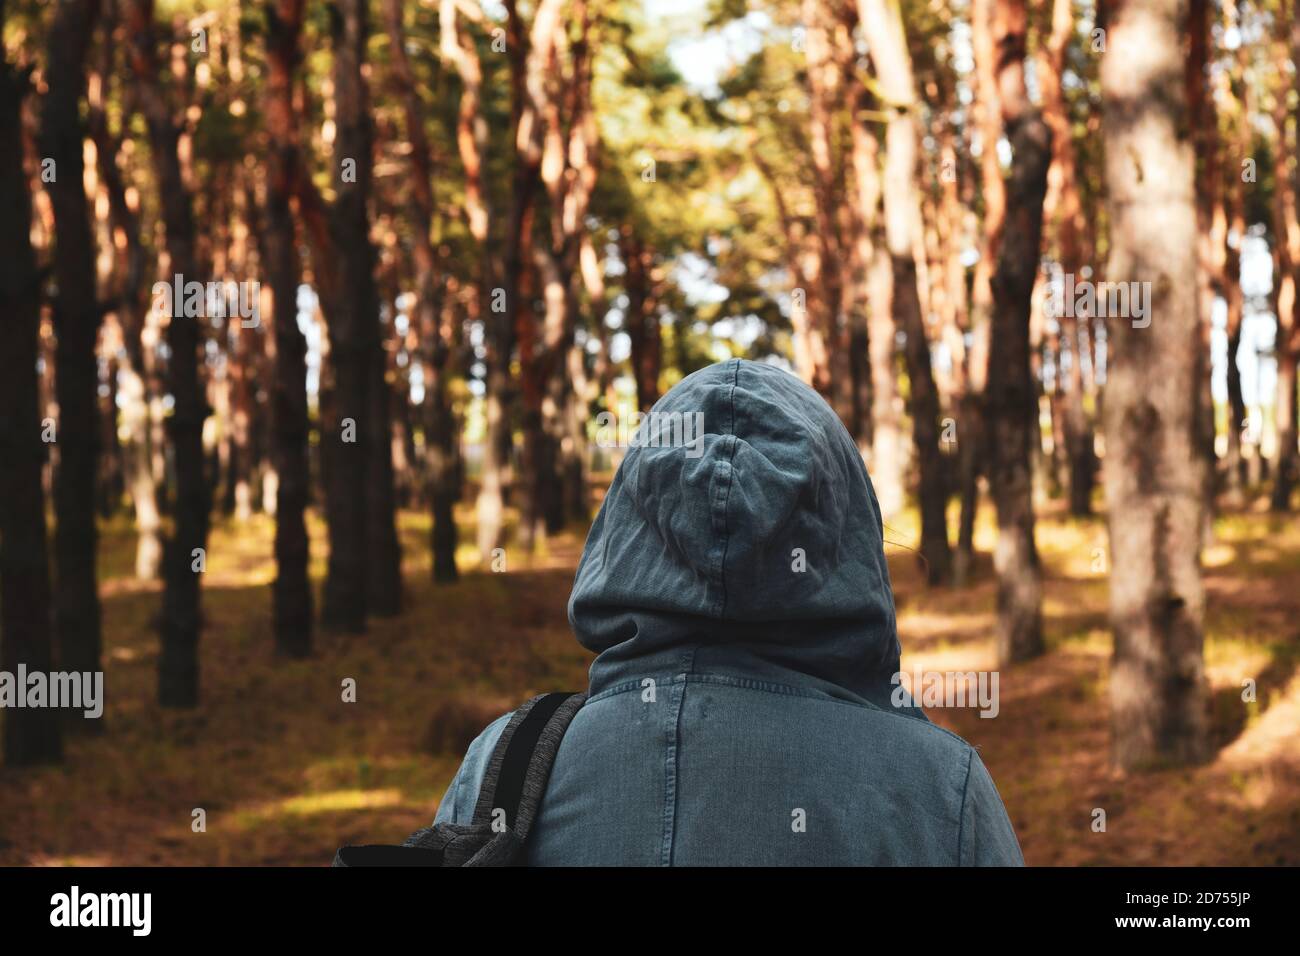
752, 546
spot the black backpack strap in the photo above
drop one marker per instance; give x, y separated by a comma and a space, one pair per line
508, 800
385, 855
521, 763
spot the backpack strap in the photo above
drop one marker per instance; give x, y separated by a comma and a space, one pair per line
520, 766
511, 792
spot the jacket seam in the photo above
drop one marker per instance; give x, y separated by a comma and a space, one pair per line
961, 817
670, 772
783, 690
622, 687
726, 499
786, 690
749, 683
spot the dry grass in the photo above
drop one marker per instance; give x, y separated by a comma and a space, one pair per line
286, 771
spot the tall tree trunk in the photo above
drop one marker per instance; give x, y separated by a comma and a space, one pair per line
472, 141
244, 348
1211, 224
440, 442
291, 594
642, 322
504, 305
445, 463
824, 78
568, 171
1063, 211
351, 222
860, 213
885, 457
1154, 466
988, 120
1234, 92
883, 23
887, 451
365, 561
807, 342
1286, 272
532, 67
137, 368
109, 480
76, 324
1012, 398
31, 734
574, 448
178, 664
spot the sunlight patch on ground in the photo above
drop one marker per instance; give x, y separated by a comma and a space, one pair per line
311, 803
314, 804
89, 859
1273, 736
1218, 555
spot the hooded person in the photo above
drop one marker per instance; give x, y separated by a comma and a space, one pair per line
744, 705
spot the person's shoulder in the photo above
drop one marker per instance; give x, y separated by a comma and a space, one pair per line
458, 804
487, 739
921, 736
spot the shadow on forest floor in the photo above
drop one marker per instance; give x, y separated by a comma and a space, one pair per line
285, 771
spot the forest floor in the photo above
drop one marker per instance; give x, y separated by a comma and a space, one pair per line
285, 771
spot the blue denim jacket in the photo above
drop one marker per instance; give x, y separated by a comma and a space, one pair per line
742, 710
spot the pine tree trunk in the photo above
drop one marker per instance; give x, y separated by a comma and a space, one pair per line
444, 476
291, 593
76, 324
1236, 95
441, 446
1286, 230
887, 452
1063, 210
882, 21
371, 396
574, 463
136, 365
109, 480
364, 574
1154, 466
445, 471
1011, 399
31, 734
529, 56
986, 113
824, 79
1234, 478
384, 572
1210, 221
245, 350
874, 344
641, 324
178, 664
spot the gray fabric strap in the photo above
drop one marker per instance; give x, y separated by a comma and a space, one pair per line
539, 766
